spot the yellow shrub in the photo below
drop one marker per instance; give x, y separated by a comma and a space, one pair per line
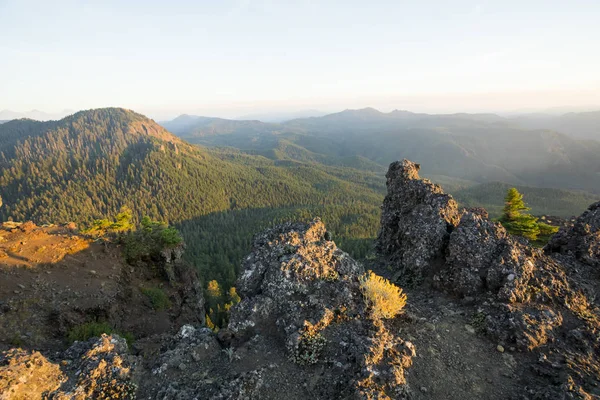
385, 298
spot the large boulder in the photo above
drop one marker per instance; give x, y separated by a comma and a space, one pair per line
580, 239
27, 375
289, 266
416, 221
301, 291
483, 257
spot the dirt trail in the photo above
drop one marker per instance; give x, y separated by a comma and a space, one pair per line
453, 360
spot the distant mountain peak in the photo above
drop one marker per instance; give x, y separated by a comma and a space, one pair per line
366, 110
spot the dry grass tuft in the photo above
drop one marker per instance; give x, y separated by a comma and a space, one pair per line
385, 299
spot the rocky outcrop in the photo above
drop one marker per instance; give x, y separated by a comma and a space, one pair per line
302, 330
523, 297
97, 369
289, 261
300, 289
482, 257
416, 221
27, 375
581, 239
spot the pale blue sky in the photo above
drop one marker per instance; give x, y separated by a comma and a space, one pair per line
231, 58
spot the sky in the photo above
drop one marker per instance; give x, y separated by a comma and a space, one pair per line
230, 58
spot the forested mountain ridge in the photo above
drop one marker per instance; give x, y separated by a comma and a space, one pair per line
89, 165
109, 157
476, 147
583, 125
190, 127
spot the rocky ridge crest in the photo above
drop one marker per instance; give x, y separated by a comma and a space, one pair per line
524, 298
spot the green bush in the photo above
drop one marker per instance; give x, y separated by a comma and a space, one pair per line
89, 330
145, 240
150, 239
158, 298
103, 227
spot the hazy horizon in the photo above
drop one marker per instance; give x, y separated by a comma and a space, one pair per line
278, 115
239, 58
285, 115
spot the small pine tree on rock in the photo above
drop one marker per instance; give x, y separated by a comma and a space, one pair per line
514, 205
517, 222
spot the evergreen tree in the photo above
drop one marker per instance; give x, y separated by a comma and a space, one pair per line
513, 205
517, 222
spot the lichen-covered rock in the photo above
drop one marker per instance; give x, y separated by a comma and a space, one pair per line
26, 375
580, 239
295, 273
475, 249
416, 220
97, 369
302, 291
180, 366
483, 257
523, 297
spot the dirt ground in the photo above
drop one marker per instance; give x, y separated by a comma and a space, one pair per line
52, 279
454, 360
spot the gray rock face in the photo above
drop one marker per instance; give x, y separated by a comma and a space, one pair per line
483, 257
98, 368
523, 297
476, 248
581, 239
302, 330
180, 369
293, 272
300, 290
416, 221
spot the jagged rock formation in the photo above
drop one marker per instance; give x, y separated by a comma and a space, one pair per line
302, 330
416, 220
97, 369
25, 375
308, 289
523, 297
580, 239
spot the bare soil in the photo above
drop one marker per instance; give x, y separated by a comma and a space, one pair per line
53, 279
